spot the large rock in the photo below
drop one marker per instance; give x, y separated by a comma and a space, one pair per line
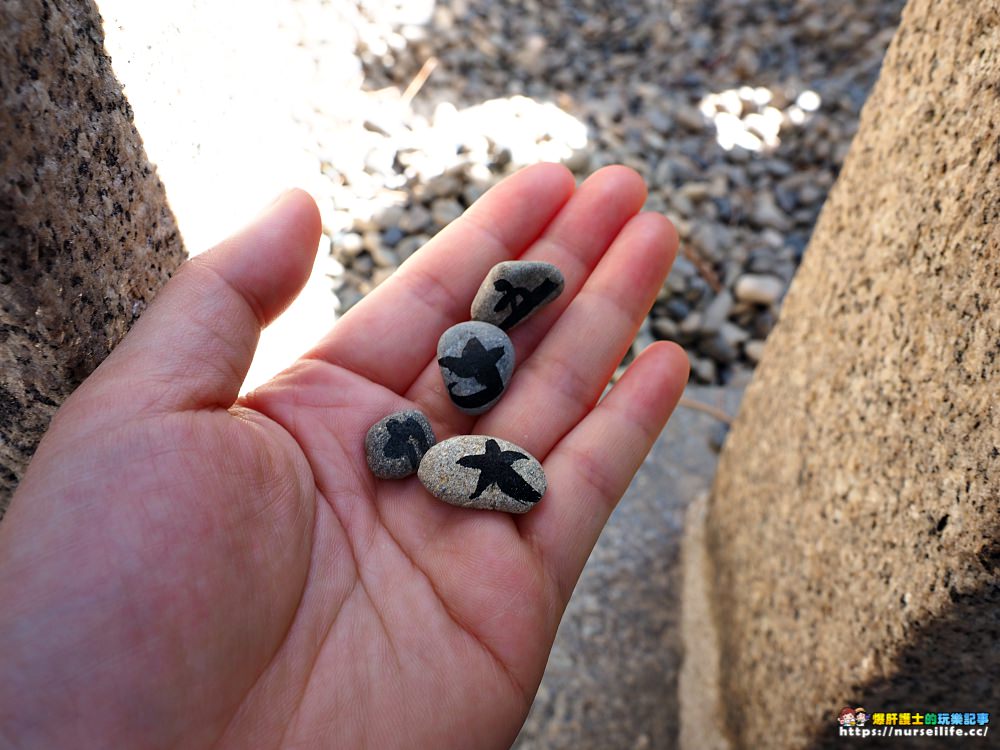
853, 525
86, 236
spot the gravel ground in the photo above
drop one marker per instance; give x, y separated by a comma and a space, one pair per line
738, 114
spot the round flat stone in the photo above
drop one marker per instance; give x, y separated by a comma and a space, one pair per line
395, 444
515, 290
477, 360
478, 471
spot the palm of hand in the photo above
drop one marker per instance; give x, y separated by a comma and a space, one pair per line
234, 574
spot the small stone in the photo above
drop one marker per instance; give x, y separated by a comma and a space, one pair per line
772, 238
381, 274
395, 444
690, 118
415, 220
766, 213
678, 309
347, 298
383, 257
759, 288
473, 192
695, 191
664, 328
659, 121
392, 236
761, 261
786, 198
703, 369
682, 204
717, 312
763, 324
445, 210
578, 161
444, 185
409, 245
676, 283
478, 471
350, 244
710, 240
478, 172
738, 155
514, 290
363, 265
389, 217
477, 361
754, 350
733, 334
746, 62
691, 324
502, 158
371, 240
718, 349
810, 194
696, 289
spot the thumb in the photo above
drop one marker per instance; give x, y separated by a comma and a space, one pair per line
193, 346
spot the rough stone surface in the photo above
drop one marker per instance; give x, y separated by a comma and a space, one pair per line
395, 444
700, 676
477, 361
478, 471
86, 236
854, 524
515, 290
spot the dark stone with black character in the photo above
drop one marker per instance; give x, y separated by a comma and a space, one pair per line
395, 444
515, 290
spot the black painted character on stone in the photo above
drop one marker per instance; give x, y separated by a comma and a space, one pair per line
495, 467
403, 434
520, 300
480, 363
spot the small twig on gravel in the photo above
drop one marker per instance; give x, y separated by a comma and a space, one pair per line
704, 267
712, 411
419, 79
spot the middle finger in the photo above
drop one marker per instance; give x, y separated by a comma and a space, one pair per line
575, 241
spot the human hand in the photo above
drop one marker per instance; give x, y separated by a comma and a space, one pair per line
183, 568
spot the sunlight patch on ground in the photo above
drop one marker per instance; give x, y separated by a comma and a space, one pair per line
234, 107
213, 93
527, 131
746, 117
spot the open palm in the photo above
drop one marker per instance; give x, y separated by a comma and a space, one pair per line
181, 568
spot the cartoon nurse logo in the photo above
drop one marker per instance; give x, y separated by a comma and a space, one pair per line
846, 717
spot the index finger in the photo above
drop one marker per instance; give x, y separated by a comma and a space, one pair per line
391, 335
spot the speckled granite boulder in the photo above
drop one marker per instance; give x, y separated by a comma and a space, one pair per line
395, 444
515, 290
87, 235
853, 528
477, 361
478, 471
